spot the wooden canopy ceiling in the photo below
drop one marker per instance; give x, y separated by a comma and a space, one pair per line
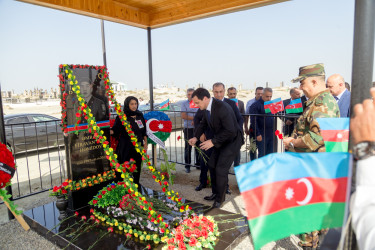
151, 13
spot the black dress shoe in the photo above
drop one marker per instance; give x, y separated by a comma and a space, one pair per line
187, 170
216, 205
198, 167
210, 198
228, 191
200, 187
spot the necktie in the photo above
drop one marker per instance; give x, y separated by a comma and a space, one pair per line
336, 98
208, 115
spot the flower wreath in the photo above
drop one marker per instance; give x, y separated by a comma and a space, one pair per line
7, 170
96, 131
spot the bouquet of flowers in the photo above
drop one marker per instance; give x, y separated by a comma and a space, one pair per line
7, 170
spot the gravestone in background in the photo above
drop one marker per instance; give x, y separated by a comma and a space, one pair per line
86, 157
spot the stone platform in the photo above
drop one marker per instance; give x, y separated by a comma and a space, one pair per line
43, 218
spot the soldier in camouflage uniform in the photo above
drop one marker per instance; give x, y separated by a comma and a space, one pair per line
306, 136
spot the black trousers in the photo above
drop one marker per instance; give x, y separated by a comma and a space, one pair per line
188, 134
220, 162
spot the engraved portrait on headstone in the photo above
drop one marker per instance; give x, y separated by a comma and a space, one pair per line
87, 158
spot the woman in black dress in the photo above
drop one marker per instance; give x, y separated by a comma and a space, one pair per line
125, 149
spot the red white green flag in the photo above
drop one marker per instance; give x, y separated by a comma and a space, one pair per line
295, 106
335, 133
274, 106
164, 105
293, 193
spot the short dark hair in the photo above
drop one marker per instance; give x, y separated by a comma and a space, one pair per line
232, 88
200, 93
258, 88
267, 90
217, 84
347, 85
291, 91
189, 90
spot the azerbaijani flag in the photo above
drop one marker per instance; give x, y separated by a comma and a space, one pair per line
293, 193
274, 106
84, 126
235, 100
192, 105
335, 133
295, 106
164, 105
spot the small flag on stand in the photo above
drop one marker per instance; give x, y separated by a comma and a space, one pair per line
274, 106
293, 193
235, 100
192, 105
164, 105
335, 133
295, 106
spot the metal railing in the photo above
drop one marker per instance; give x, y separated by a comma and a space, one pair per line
39, 153
39, 150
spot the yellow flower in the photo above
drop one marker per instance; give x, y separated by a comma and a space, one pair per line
130, 231
136, 193
66, 71
131, 179
154, 236
142, 237
71, 83
78, 87
94, 127
79, 98
148, 237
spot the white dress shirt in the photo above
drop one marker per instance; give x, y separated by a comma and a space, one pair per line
363, 204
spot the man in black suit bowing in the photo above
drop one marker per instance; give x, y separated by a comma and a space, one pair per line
227, 139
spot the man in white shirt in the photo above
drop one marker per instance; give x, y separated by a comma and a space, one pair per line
363, 200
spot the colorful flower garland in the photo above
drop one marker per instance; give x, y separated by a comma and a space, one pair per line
101, 139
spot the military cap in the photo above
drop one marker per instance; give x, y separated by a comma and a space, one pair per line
309, 71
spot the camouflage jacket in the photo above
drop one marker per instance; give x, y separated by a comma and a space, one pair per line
307, 128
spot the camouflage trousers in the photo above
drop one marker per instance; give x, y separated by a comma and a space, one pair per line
311, 239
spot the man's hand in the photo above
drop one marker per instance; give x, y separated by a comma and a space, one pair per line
286, 142
259, 138
362, 125
288, 122
193, 141
202, 138
206, 145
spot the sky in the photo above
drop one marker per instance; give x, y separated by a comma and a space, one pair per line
251, 47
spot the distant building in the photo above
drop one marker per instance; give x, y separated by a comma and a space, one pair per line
119, 86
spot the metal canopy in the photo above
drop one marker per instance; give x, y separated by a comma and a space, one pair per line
151, 13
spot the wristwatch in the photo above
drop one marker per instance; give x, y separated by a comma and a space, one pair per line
364, 150
291, 144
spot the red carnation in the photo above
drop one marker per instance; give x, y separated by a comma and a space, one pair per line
280, 136
65, 183
179, 237
94, 202
188, 233
193, 241
277, 132
204, 233
100, 196
63, 191
197, 233
181, 245
103, 192
55, 189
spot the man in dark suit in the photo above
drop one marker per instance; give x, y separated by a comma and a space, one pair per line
227, 139
336, 85
264, 124
219, 90
291, 118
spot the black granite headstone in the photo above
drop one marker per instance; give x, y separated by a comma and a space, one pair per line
85, 157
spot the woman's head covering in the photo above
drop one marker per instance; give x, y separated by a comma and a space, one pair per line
127, 110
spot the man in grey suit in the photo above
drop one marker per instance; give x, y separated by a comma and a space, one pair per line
336, 85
